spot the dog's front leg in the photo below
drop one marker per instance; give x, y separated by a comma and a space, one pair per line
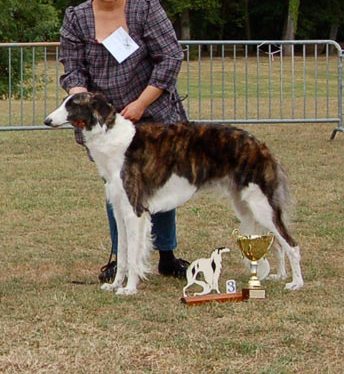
122, 253
133, 225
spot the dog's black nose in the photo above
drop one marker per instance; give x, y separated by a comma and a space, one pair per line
48, 121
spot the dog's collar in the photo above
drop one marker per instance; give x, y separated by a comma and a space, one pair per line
79, 123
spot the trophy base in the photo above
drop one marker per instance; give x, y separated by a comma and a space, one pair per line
254, 293
221, 298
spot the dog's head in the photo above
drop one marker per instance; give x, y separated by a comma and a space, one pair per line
83, 110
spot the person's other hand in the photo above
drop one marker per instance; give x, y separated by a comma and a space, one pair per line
133, 111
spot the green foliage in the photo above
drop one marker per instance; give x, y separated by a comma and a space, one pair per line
175, 7
61, 5
23, 21
208, 8
316, 18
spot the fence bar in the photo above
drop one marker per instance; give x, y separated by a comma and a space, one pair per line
45, 80
244, 86
304, 52
246, 82
33, 85
327, 81
340, 127
211, 83
270, 79
21, 86
223, 81
292, 82
57, 74
257, 80
234, 82
199, 81
281, 82
316, 81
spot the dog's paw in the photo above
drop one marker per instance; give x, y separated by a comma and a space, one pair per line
107, 287
292, 286
276, 277
126, 291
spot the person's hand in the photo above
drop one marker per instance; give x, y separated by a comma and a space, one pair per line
75, 90
134, 111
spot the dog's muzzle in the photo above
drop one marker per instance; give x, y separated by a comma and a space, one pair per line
48, 121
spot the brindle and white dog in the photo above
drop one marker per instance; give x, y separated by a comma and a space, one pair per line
153, 167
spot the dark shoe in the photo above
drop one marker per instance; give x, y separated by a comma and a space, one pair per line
175, 269
108, 272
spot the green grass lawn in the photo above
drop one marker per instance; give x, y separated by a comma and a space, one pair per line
54, 238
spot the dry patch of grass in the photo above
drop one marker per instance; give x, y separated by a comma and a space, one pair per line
54, 231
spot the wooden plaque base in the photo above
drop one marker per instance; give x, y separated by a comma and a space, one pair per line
221, 298
254, 293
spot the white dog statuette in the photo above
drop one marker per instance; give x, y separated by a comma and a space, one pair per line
211, 269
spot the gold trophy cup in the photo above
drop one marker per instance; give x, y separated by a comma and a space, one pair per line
254, 247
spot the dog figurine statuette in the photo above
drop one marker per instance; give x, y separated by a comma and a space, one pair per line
210, 268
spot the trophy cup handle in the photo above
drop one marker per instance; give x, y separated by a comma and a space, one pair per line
236, 233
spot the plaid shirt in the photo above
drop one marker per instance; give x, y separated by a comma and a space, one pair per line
157, 62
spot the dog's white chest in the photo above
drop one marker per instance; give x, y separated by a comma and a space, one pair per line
107, 147
174, 193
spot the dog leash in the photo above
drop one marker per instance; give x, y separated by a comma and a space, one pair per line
105, 267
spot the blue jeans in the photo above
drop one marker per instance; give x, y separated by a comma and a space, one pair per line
163, 229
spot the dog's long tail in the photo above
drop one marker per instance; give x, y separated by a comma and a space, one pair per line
282, 195
283, 204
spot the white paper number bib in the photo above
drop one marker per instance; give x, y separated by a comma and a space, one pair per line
120, 44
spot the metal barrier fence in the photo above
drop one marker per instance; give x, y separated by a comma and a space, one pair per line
234, 82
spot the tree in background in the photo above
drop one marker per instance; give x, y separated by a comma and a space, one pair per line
321, 20
292, 18
28, 21
291, 24
61, 5
182, 12
23, 21
249, 19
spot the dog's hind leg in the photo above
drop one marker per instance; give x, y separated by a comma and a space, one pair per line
249, 226
281, 270
271, 219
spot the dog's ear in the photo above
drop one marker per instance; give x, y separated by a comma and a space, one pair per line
81, 98
100, 104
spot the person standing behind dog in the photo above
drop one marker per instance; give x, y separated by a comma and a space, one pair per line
142, 87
